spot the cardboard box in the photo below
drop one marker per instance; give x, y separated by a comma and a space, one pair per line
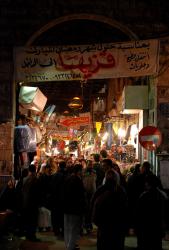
32, 98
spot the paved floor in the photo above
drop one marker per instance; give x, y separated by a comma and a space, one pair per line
50, 242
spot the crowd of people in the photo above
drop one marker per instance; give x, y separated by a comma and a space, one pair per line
69, 196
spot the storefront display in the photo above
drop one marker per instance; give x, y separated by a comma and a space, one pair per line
118, 135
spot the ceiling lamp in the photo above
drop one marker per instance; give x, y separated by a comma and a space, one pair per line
76, 103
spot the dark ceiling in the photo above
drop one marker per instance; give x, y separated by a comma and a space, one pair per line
76, 32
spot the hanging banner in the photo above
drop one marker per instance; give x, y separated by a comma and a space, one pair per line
62, 135
110, 134
75, 121
96, 61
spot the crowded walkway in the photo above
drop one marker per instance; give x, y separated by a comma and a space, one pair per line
84, 204
50, 242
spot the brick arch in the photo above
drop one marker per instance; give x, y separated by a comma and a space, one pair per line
91, 17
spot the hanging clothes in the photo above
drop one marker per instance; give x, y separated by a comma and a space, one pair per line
21, 138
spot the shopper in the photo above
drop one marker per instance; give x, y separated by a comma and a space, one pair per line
44, 178
89, 182
9, 208
57, 194
146, 170
74, 207
150, 218
98, 169
31, 195
109, 214
134, 190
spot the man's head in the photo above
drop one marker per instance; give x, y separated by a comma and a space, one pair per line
107, 164
96, 157
146, 167
103, 153
112, 178
77, 170
32, 169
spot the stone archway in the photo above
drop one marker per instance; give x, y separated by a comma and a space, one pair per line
92, 17
100, 19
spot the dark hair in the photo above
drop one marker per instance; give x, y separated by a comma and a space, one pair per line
103, 153
112, 178
62, 165
32, 168
22, 117
137, 168
96, 157
146, 166
108, 162
77, 168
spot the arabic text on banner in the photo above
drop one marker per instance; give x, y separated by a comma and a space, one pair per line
96, 61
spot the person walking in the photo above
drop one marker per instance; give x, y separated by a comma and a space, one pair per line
30, 198
57, 194
89, 182
134, 190
98, 169
109, 214
74, 207
151, 215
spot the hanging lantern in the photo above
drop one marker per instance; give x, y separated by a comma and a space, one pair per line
76, 103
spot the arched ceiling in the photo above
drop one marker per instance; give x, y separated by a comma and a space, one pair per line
81, 32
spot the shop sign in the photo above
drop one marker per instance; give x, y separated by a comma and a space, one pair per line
95, 61
62, 137
75, 121
150, 138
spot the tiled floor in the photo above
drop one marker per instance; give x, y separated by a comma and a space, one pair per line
50, 242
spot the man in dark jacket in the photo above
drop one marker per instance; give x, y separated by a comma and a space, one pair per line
74, 207
30, 198
109, 213
151, 215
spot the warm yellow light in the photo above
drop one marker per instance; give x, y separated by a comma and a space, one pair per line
105, 136
98, 126
134, 130
121, 133
76, 103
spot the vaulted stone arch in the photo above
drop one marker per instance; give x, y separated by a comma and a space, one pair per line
99, 18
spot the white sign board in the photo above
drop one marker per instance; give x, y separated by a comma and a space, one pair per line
77, 62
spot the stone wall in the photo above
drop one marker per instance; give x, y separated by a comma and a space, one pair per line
163, 95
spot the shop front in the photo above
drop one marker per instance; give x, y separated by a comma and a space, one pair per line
85, 134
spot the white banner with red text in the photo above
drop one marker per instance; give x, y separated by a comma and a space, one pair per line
79, 62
